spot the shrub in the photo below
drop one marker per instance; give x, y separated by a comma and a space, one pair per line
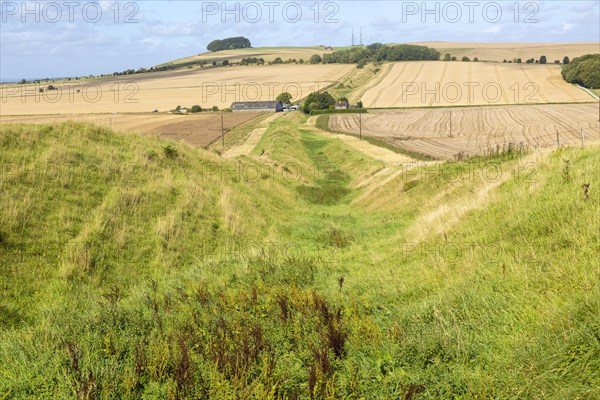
315, 59
170, 152
543, 60
196, 108
447, 57
465, 58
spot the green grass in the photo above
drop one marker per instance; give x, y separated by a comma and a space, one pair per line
131, 267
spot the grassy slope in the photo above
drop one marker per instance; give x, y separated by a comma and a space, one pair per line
128, 272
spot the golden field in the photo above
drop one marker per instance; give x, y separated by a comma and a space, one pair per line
163, 91
443, 133
508, 51
457, 83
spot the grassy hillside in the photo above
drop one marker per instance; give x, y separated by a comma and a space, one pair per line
132, 267
236, 55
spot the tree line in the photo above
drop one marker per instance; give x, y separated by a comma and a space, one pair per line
584, 71
377, 52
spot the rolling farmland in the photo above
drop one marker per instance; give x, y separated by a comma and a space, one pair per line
195, 129
439, 83
443, 133
165, 90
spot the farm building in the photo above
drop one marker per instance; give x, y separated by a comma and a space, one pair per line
276, 106
342, 105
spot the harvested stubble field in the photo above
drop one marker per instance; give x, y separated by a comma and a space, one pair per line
439, 83
444, 133
195, 129
165, 90
509, 51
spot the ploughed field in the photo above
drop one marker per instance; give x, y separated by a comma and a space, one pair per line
457, 83
195, 129
445, 133
163, 91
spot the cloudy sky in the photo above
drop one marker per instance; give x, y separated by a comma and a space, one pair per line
41, 39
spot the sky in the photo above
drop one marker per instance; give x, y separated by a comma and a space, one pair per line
40, 39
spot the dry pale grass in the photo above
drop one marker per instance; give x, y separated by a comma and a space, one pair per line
445, 132
508, 51
163, 91
440, 83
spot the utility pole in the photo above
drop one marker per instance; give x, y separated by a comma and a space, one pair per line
360, 125
557, 141
222, 132
450, 123
582, 138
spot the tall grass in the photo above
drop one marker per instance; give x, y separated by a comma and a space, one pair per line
128, 271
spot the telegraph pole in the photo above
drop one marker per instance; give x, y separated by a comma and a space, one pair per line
222, 132
450, 123
360, 125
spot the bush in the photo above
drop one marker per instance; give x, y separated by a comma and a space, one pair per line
453, 58
543, 60
301, 61
170, 152
476, 59
315, 59
519, 61
566, 60
278, 60
359, 104
215, 108
465, 58
196, 108
225, 63
448, 57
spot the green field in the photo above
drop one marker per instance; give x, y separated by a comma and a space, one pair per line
137, 268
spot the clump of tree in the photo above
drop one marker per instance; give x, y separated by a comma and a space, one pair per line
447, 57
566, 60
465, 58
378, 52
252, 60
196, 109
315, 59
584, 71
285, 98
318, 101
543, 60
239, 42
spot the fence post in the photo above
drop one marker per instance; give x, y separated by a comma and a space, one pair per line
582, 138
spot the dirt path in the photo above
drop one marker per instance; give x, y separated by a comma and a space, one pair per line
387, 157
246, 148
